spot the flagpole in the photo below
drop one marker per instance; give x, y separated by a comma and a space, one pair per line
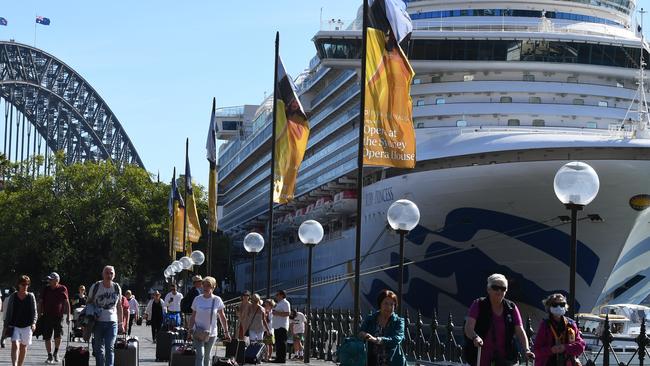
272, 177
173, 245
187, 145
357, 257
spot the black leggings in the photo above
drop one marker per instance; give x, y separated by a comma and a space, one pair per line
155, 328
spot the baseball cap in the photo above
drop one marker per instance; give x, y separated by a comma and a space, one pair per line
53, 276
197, 278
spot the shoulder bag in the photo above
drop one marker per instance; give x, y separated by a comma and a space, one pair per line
201, 334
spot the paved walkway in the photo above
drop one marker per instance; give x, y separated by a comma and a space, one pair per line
36, 354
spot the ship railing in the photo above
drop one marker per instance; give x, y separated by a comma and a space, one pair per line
506, 25
614, 131
435, 343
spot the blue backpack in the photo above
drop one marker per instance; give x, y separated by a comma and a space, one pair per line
352, 352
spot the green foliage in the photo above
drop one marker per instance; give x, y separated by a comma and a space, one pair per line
81, 218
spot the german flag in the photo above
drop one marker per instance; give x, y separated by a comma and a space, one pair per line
389, 137
291, 135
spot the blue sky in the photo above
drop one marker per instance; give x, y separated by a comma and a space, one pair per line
159, 63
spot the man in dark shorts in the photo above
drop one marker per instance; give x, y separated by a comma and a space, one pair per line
53, 305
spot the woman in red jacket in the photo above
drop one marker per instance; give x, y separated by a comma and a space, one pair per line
558, 341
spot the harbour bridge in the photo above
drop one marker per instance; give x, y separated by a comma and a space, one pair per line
45, 100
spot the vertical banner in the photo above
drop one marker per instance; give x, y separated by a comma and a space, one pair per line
176, 215
211, 153
389, 136
291, 135
193, 224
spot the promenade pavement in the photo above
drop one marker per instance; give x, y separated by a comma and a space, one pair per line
36, 354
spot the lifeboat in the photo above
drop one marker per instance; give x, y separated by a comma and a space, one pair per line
299, 217
320, 208
345, 202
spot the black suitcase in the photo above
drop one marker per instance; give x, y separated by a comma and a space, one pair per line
164, 344
254, 353
127, 352
223, 361
76, 356
182, 354
236, 349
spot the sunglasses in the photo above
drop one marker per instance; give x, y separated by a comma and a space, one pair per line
560, 304
499, 288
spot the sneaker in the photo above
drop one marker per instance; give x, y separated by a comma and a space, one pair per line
49, 360
56, 358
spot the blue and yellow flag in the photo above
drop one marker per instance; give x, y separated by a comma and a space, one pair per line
211, 151
291, 135
193, 224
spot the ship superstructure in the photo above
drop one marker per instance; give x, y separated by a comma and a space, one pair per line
505, 93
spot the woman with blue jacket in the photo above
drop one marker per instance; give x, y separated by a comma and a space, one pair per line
384, 332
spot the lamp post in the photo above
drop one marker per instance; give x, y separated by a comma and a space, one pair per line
403, 216
253, 243
576, 184
310, 233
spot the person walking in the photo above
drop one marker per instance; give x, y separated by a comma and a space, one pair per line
243, 315
154, 314
298, 321
79, 299
258, 327
20, 320
558, 341
269, 339
133, 310
54, 305
384, 332
280, 325
493, 323
173, 304
188, 299
203, 322
106, 295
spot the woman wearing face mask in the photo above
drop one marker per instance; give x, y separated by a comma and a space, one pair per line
558, 341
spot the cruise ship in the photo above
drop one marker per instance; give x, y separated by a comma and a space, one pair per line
505, 93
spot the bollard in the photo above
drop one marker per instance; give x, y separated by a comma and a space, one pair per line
642, 341
606, 338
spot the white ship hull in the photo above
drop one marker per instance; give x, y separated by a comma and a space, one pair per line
478, 220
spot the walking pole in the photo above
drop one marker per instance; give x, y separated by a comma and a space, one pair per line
478, 356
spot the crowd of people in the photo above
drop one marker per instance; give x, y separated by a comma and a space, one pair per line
493, 329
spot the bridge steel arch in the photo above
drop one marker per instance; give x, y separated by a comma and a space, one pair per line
65, 110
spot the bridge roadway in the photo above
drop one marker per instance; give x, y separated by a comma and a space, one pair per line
36, 354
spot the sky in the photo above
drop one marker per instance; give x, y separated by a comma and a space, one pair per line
158, 64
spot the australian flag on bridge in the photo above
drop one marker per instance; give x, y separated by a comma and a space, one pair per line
3, 21
42, 20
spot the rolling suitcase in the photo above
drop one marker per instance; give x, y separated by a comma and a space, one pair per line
76, 356
236, 349
182, 354
164, 344
127, 351
254, 353
223, 361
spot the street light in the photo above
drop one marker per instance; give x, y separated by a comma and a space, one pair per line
197, 257
186, 262
253, 243
177, 266
310, 233
403, 216
576, 185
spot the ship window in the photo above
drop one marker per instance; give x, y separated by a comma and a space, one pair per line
579, 101
602, 103
513, 122
416, 81
468, 77
461, 123
419, 102
435, 79
229, 125
572, 79
528, 77
592, 124
506, 100
534, 100
538, 123
440, 100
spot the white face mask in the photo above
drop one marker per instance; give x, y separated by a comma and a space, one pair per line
558, 310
